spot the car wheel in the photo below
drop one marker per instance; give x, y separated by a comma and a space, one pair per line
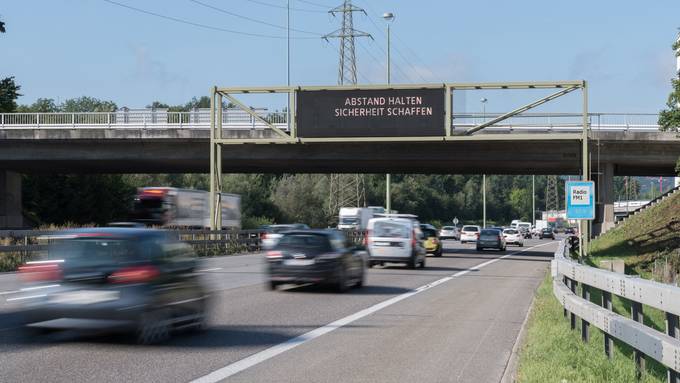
422, 263
273, 285
479, 248
521, 244
341, 285
462, 242
360, 281
413, 263
153, 327
370, 265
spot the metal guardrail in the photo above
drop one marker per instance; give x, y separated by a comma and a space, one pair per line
645, 341
239, 119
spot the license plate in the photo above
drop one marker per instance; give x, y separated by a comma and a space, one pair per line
298, 262
382, 243
84, 297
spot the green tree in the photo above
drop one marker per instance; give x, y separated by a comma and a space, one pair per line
9, 92
520, 200
301, 198
87, 104
41, 105
669, 119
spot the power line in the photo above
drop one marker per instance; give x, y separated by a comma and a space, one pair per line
204, 26
394, 65
284, 7
252, 19
316, 4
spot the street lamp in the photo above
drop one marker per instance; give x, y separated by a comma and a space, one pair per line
389, 17
483, 101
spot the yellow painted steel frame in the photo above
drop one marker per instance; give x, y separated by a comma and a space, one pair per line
290, 137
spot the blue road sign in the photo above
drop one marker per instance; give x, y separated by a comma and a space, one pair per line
580, 196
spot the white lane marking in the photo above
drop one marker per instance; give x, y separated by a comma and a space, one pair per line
243, 364
206, 270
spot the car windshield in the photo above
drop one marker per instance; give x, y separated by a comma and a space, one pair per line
280, 228
489, 233
94, 251
390, 230
427, 233
470, 228
510, 231
304, 241
447, 228
348, 220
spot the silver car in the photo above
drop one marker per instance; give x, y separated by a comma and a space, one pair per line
449, 232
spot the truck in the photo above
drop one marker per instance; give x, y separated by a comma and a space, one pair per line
354, 218
183, 208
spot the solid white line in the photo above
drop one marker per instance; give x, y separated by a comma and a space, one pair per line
243, 364
213, 269
27, 297
28, 289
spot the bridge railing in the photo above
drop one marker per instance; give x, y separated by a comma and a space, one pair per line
239, 119
646, 342
199, 118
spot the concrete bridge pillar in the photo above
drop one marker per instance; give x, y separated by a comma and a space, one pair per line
604, 190
11, 214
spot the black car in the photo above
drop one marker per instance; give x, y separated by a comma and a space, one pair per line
129, 279
491, 239
316, 256
547, 233
570, 231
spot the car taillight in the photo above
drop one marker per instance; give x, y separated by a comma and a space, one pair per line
413, 240
135, 274
264, 235
274, 255
366, 240
477, 235
40, 272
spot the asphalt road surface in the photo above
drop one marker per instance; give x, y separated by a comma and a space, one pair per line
454, 321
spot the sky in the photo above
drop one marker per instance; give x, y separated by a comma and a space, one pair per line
62, 49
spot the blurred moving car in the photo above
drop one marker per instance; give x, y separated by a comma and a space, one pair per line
316, 256
432, 243
449, 232
128, 279
491, 239
547, 233
525, 229
396, 240
570, 231
469, 233
272, 233
513, 237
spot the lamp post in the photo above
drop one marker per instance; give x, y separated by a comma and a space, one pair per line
389, 17
483, 101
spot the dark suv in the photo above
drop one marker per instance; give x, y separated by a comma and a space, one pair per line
547, 233
130, 279
316, 256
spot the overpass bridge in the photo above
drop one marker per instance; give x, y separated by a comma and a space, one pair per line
259, 140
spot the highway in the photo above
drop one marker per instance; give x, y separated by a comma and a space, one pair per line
457, 320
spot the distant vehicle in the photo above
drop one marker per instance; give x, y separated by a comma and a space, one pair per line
524, 228
570, 231
469, 233
316, 256
173, 207
433, 245
377, 209
117, 279
449, 232
491, 239
513, 237
397, 240
514, 223
354, 218
541, 224
272, 233
547, 233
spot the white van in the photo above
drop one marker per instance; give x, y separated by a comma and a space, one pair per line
469, 233
395, 240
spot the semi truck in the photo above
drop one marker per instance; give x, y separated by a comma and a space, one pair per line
186, 208
354, 218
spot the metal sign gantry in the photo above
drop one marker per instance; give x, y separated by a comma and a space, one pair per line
275, 135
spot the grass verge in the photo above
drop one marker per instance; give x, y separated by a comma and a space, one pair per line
552, 352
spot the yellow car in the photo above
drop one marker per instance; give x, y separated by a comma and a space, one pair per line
431, 240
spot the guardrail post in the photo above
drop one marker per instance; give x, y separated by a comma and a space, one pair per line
608, 341
585, 326
565, 280
636, 314
572, 316
673, 329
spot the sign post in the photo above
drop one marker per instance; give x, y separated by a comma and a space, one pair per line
580, 196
